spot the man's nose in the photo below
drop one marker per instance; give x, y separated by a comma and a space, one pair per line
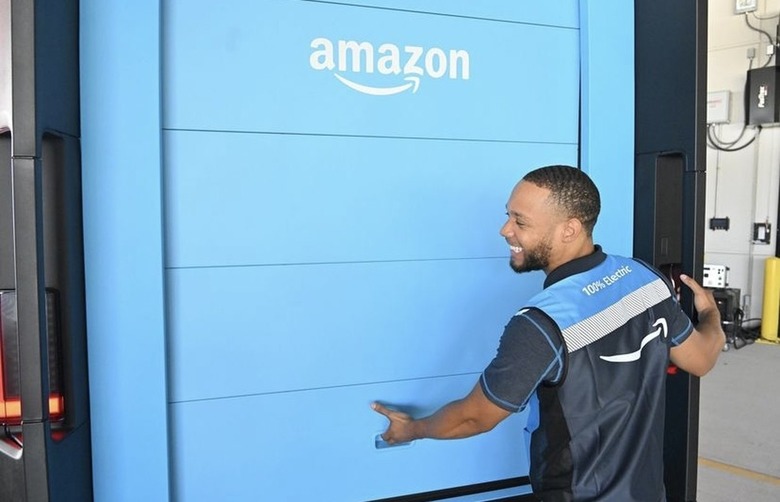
505, 231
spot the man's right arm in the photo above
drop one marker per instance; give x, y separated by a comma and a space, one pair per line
699, 352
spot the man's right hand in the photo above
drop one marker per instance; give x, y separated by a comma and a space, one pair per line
699, 352
401, 428
703, 299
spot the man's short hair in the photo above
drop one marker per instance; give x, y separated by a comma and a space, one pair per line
572, 190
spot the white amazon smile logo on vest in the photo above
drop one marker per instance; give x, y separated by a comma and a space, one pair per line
634, 356
404, 66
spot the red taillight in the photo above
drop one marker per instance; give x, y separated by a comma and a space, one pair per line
10, 368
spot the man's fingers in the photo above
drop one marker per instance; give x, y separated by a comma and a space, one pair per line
697, 289
690, 282
686, 279
703, 299
381, 409
386, 436
398, 430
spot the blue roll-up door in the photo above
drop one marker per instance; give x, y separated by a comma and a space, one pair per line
334, 182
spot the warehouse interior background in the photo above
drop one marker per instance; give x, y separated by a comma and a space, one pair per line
738, 445
743, 184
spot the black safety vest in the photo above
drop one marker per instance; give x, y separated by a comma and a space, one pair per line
600, 429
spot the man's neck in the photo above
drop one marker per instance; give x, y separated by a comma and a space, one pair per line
572, 253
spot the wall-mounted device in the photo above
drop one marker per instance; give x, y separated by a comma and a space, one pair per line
718, 103
715, 276
762, 233
763, 102
719, 223
742, 6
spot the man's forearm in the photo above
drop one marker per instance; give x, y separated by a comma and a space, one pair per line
463, 418
710, 326
451, 422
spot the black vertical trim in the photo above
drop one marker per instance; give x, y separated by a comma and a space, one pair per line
30, 301
670, 90
28, 251
36, 466
23, 105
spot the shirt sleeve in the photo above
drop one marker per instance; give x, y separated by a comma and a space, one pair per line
680, 325
530, 352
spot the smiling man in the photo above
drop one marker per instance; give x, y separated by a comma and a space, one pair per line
588, 353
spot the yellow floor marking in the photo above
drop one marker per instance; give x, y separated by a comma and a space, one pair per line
739, 471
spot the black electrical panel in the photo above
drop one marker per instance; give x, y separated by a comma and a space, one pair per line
719, 223
669, 183
763, 98
658, 205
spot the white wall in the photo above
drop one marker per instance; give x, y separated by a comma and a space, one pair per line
741, 185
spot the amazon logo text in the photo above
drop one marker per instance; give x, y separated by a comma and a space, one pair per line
348, 59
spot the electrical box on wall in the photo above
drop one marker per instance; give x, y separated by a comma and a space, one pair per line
763, 99
719, 223
718, 107
742, 6
762, 233
715, 276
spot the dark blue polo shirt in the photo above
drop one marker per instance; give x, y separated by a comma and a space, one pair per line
592, 350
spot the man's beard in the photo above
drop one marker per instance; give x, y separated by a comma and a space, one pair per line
535, 259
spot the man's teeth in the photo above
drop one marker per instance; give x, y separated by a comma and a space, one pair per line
516, 249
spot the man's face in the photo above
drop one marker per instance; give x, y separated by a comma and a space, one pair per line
530, 228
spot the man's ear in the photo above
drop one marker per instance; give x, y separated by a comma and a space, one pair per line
572, 229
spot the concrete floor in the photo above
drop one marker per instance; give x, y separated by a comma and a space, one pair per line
739, 435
